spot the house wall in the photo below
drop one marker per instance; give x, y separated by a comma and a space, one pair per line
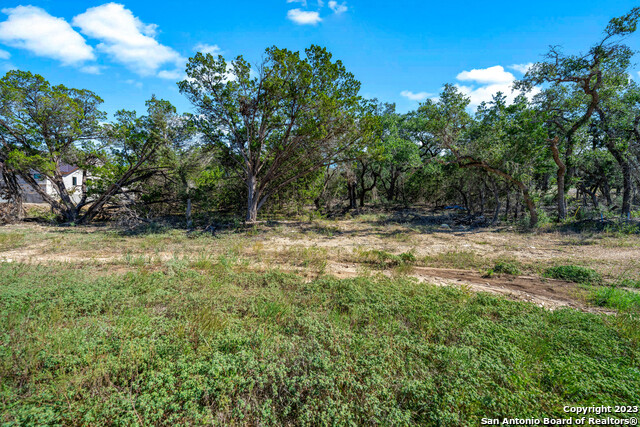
31, 196
75, 191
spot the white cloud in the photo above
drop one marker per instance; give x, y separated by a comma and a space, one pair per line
126, 38
213, 49
338, 8
302, 2
4, 54
33, 29
420, 96
477, 95
303, 17
521, 68
489, 81
491, 75
172, 75
91, 69
134, 83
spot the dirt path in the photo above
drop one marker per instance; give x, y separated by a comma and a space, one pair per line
287, 247
548, 293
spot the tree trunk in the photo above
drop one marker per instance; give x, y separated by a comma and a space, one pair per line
626, 179
626, 195
352, 195
533, 214
252, 199
508, 205
606, 190
562, 170
188, 214
13, 194
496, 196
391, 192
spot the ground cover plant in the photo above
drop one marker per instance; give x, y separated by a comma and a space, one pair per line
184, 345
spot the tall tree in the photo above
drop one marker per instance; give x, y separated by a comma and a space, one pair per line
43, 127
40, 125
616, 119
503, 141
295, 116
584, 73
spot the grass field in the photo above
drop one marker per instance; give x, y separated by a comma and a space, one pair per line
271, 326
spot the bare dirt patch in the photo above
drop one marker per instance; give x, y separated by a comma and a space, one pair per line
331, 247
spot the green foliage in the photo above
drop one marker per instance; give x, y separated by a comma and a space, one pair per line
297, 115
454, 259
10, 241
180, 347
628, 283
382, 259
574, 273
616, 298
504, 267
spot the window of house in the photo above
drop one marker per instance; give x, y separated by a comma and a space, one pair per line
74, 180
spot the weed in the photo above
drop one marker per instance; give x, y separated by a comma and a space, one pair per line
10, 241
613, 297
454, 259
504, 267
220, 347
382, 259
574, 273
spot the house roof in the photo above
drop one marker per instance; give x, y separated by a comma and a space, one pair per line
66, 169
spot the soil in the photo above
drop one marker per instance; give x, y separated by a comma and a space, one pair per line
339, 240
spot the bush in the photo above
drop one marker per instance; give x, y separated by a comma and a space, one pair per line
382, 259
503, 267
574, 273
616, 298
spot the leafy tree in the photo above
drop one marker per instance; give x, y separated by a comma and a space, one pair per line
297, 115
502, 142
606, 61
40, 125
43, 127
137, 151
399, 152
616, 117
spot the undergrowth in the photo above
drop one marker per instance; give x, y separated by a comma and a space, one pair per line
205, 344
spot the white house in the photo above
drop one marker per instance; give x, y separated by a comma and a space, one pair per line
71, 176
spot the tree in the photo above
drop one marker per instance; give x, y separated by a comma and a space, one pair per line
136, 146
40, 125
502, 142
43, 127
399, 153
617, 116
585, 74
295, 116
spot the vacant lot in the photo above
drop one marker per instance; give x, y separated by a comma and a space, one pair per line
373, 320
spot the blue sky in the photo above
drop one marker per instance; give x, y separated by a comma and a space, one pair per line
401, 51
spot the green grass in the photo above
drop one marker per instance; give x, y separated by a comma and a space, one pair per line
618, 299
11, 240
574, 273
454, 259
383, 259
179, 347
505, 267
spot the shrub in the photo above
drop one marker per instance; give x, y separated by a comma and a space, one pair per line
619, 299
503, 267
574, 273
